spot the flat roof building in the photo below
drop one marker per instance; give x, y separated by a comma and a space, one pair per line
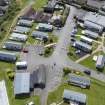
22, 30
18, 37
80, 81
44, 27
73, 96
83, 46
11, 45
90, 34
3, 94
40, 35
7, 56
100, 62
22, 84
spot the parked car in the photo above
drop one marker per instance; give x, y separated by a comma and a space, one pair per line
30, 103
88, 72
72, 39
25, 50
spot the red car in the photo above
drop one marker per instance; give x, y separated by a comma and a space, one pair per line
25, 50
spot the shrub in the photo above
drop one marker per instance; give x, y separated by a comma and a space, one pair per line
66, 70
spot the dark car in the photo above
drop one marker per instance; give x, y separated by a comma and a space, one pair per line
88, 72
72, 39
25, 50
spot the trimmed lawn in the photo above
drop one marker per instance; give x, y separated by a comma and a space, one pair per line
9, 86
95, 95
88, 62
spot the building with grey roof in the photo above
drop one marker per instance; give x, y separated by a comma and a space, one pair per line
91, 34
22, 84
44, 27
21, 29
7, 56
72, 96
100, 62
18, 37
40, 35
95, 21
25, 22
80, 81
83, 46
14, 46
3, 94
38, 77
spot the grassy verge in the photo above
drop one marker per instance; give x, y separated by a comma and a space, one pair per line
95, 95
88, 62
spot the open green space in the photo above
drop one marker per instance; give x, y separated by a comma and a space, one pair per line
95, 95
9, 85
88, 62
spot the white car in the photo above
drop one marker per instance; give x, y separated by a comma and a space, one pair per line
30, 103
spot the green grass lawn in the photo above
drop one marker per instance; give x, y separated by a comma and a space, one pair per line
88, 62
39, 4
71, 53
95, 95
9, 86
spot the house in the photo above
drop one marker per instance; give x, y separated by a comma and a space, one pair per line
22, 85
4, 2
100, 62
44, 27
7, 56
80, 81
15, 46
94, 21
22, 30
83, 46
21, 65
38, 78
76, 97
25, 22
86, 40
39, 35
18, 37
49, 8
90, 34
3, 94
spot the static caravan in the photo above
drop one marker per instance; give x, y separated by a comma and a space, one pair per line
90, 34
18, 37
86, 40
44, 27
15, 46
40, 35
22, 30
83, 46
24, 22
76, 97
7, 56
21, 65
100, 62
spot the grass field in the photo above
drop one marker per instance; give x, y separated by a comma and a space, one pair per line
88, 62
95, 95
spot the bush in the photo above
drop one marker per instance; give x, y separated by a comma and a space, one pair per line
66, 70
